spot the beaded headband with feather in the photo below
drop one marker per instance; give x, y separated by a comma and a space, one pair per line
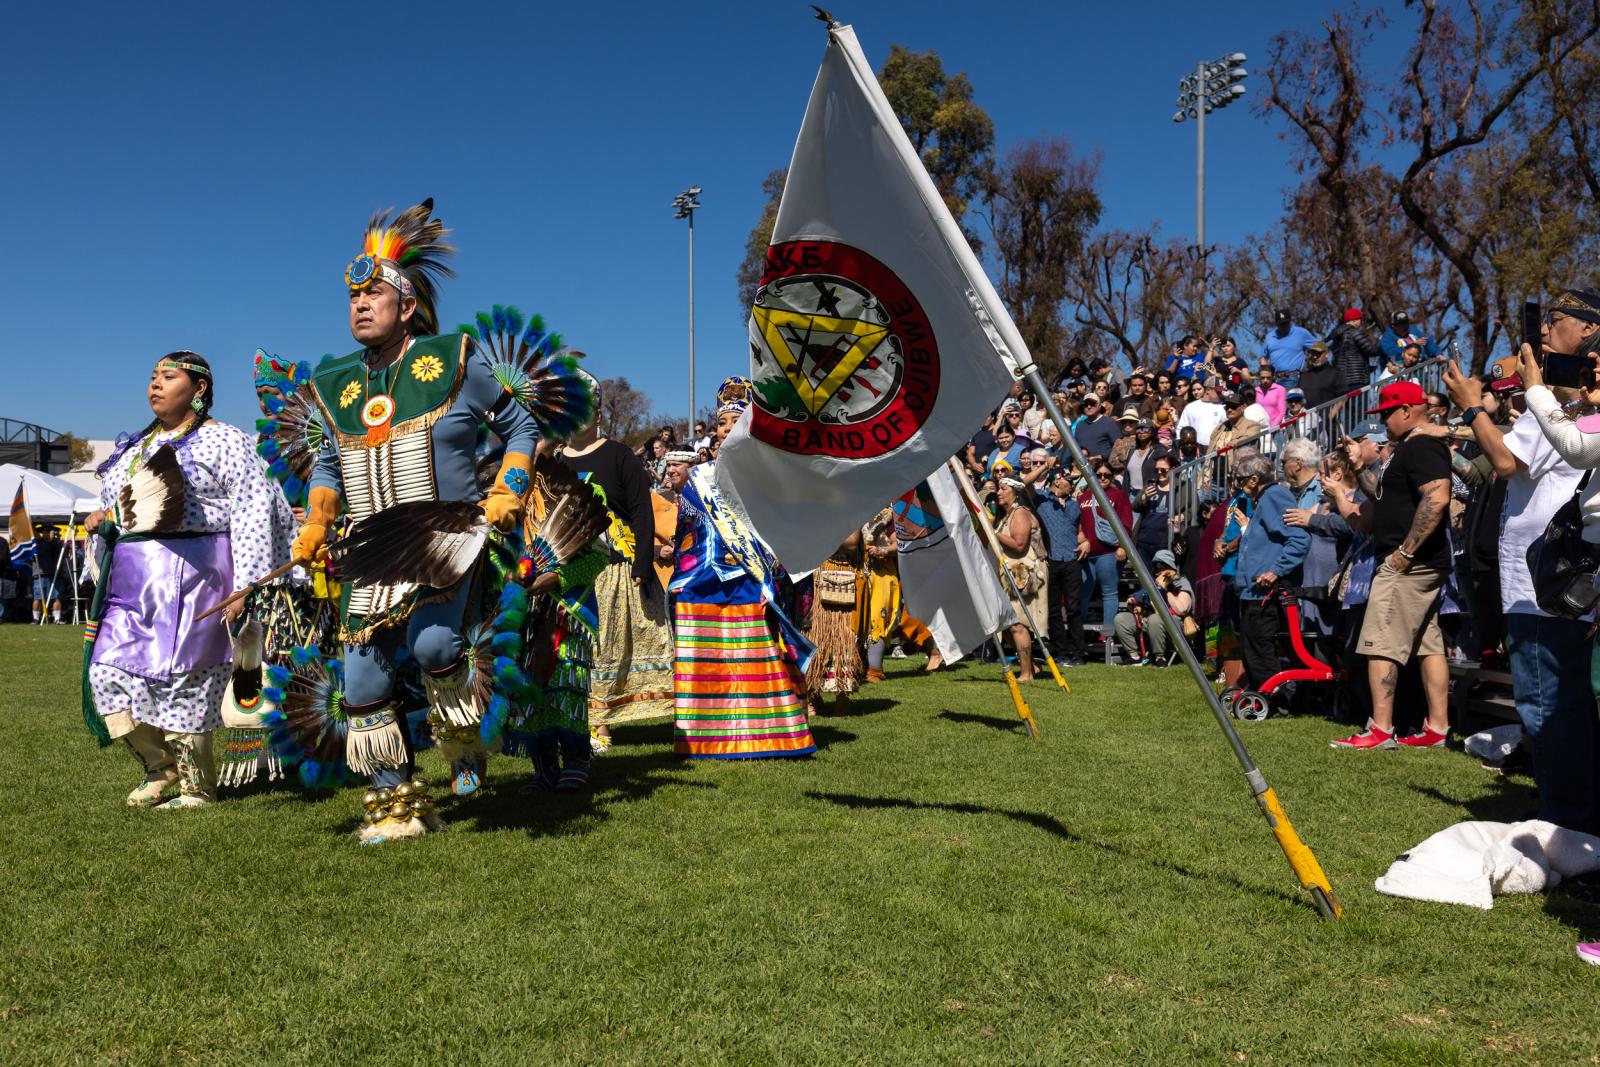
409, 253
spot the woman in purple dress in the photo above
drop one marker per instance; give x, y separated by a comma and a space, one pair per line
186, 518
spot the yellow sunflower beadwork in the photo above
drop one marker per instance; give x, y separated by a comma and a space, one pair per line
350, 394
426, 368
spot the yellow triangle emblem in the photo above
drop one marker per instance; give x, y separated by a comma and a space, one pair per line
817, 353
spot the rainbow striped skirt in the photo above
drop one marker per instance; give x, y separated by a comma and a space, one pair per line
737, 695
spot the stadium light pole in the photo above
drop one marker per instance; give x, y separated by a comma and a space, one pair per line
1213, 86
685, 205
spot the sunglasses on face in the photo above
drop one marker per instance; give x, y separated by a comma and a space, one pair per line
1103, 475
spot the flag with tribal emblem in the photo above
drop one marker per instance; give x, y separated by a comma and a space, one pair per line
873, 349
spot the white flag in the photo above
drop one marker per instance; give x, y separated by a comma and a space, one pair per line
876, 340
946, 577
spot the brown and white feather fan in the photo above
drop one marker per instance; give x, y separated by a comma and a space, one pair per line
154, 498
425, 542
565, 513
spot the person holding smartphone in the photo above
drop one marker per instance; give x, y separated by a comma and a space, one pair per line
1556, 707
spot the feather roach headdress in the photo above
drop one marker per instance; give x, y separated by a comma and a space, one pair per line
408, 252
533, 365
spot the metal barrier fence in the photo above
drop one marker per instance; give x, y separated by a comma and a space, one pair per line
1206, 477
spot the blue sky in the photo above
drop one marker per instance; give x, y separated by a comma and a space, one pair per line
198, 176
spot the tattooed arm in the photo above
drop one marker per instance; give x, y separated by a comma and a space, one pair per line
1465, 469
1431, 509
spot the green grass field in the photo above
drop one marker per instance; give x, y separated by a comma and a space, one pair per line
933, 887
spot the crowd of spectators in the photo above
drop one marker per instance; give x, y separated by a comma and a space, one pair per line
1403, 545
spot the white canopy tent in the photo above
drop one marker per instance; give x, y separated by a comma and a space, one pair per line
47, 496
49, 499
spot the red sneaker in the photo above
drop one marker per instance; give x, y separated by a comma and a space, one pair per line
1428, 738
1371, 737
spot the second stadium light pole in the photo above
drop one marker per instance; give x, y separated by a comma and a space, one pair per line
1213, 86
686, 203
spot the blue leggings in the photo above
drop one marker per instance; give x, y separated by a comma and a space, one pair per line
434, 637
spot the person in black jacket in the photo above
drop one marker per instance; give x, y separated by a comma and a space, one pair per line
1356, 352
632, 675
1320, 380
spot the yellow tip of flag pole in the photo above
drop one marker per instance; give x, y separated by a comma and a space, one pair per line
1055, 672
1016, 692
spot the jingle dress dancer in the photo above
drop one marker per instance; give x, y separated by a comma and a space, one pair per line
740, 662
401, 417
186, 519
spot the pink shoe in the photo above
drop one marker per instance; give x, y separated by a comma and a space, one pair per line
1371, 737
1428, 738
1589, 952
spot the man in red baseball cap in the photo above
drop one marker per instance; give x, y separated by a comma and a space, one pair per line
1413, 554
1397, 395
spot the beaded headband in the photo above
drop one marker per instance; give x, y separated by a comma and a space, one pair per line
367, 269
192, 368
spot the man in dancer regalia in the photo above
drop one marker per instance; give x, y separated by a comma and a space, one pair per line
740, 662
402, 417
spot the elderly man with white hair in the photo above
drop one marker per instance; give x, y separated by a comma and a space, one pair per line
1269, 556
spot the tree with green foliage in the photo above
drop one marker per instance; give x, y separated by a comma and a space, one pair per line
81, 451
953, 135
755, 247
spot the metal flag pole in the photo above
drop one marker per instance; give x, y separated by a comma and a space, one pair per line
1011, 349
1300, 857
1039, 636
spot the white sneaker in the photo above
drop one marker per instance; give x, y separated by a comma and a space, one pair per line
897, 653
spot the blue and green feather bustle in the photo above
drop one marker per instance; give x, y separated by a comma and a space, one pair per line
533, 364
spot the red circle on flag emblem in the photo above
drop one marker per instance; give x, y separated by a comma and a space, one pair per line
844, 361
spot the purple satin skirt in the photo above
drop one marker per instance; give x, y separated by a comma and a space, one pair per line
156, 589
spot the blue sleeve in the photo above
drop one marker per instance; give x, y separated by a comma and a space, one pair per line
511, 423
1296, 538
1390, 344
326, 474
